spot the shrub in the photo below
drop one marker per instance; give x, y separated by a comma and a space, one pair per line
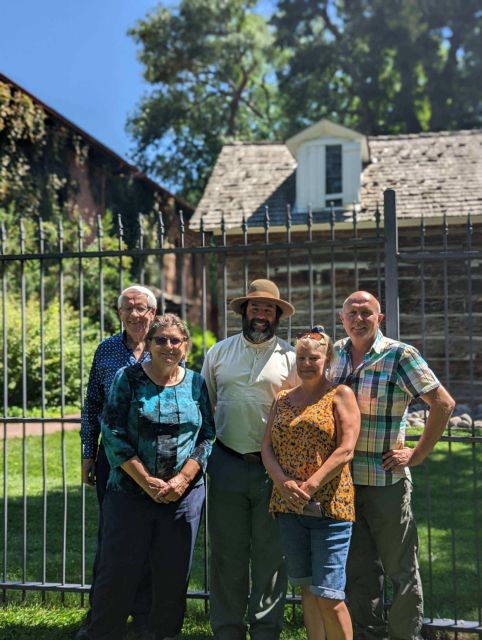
32, 371
196, 357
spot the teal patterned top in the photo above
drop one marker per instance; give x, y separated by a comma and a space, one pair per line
164, 426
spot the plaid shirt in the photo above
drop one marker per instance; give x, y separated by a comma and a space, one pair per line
390, 375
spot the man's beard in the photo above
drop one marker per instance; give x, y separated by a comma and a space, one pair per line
257, 335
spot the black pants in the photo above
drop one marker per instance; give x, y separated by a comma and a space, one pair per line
141, 604
136, 528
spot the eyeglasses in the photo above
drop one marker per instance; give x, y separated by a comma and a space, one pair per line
161, 341
140, 310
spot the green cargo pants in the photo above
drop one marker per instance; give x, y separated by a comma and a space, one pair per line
384, 542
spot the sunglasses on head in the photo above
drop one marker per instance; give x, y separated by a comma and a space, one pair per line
161, 341
315, 333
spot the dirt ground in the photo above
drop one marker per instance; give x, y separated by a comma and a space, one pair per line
16, 429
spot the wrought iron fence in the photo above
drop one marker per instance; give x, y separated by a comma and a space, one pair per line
59, 287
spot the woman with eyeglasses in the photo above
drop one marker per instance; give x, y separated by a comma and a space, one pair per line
158, 432
309, 442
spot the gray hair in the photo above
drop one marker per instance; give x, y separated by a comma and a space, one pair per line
151, 298
170, 320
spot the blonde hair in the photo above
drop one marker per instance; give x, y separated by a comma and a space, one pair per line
325, 341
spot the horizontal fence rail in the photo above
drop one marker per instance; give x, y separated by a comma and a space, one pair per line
59, 286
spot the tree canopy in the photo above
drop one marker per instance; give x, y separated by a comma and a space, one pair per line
382, 66
221, 71
211, 64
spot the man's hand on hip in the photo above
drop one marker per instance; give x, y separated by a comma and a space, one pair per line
397, 459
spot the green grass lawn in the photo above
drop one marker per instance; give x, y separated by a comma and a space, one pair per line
445, 501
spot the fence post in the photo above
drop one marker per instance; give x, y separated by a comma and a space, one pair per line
392, 322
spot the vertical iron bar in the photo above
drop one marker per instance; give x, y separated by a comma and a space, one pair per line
225, 279
332, 270
445, 231
62, 401
427, 462
161, 235
140, 225
470, 312
355, 242
288, 253
3, 247
244, 228
446, 303
43, 401
80, 234
392, 321
100, 235
428, 506
203, 288
422, 286
471, 351
23, 304
378, 252
120, 231
309, 223
203, 329
266, 240
183, 262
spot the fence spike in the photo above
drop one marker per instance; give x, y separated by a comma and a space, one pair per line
41, 234
100, 226
266, 218
22, 235
60, 234
3, 237
80, 227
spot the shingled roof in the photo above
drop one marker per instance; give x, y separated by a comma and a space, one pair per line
433, 174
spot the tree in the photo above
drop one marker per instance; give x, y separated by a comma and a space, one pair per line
211, 66
382, 66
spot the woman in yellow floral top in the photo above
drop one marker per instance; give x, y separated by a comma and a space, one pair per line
309, 441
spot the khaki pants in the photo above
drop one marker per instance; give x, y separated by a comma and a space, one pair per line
384, 542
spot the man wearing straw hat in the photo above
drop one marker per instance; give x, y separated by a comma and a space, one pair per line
243, 374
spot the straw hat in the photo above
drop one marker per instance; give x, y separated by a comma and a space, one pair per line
263, 291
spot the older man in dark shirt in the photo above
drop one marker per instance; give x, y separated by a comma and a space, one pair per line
137, 308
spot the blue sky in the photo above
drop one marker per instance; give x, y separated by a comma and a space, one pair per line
76, 57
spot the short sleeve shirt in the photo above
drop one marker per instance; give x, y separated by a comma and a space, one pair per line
243, 379
390, 375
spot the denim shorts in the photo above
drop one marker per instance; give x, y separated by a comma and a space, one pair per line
316, 550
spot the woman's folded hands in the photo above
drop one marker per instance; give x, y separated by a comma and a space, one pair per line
293, 494
166, 491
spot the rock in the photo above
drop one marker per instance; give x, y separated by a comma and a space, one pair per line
478, 424
460, 409
454, 421
418, 423
466, 417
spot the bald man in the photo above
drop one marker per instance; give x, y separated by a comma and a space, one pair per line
385, 375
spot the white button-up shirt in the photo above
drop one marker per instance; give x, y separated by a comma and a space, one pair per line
243, 379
